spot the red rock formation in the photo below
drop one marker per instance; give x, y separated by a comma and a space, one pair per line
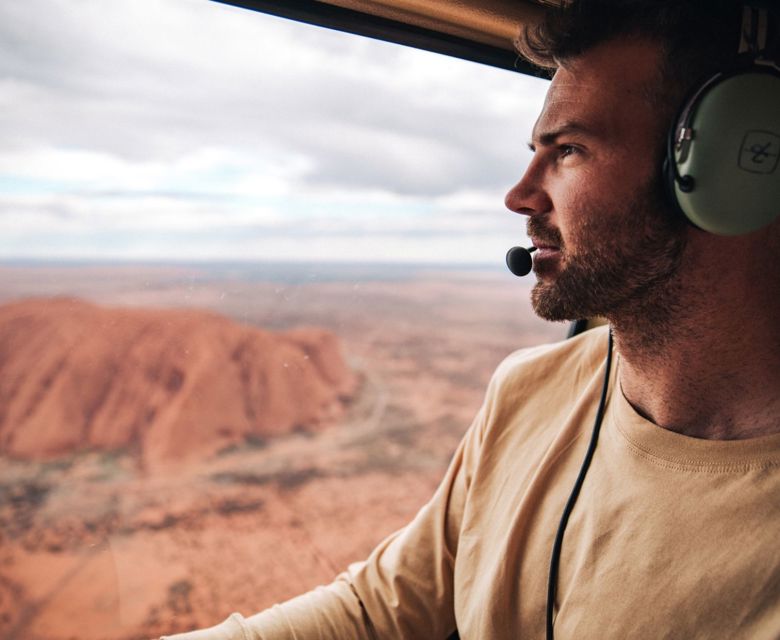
173, 384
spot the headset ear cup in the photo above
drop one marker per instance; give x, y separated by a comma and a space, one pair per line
726, 177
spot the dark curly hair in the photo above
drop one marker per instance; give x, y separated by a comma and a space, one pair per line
697, 37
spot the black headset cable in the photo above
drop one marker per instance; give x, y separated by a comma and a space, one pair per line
555, 558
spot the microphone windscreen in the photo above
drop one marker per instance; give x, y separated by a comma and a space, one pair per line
519, 261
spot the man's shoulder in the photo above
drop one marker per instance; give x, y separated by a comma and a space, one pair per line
534, 389
567, 364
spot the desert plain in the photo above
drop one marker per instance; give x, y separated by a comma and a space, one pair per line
116, 536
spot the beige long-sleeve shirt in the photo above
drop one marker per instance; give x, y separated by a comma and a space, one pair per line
672, 537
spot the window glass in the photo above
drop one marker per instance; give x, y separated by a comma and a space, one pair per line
251, 292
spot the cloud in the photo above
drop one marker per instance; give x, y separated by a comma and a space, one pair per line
178, 115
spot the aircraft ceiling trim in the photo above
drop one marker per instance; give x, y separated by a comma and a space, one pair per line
496, 23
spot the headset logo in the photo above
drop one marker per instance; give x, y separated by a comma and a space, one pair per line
759, 152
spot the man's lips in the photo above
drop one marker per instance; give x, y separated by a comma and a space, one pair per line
544, 247
547, 256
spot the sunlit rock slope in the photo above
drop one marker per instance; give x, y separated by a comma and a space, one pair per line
169, 384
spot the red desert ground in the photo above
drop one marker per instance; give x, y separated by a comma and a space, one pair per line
164, 464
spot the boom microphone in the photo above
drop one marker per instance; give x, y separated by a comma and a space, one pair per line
519, 261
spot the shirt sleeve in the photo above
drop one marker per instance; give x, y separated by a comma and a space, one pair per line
403, 590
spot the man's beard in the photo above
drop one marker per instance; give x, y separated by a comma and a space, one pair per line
625, 266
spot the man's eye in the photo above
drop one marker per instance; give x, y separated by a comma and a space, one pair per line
567, 150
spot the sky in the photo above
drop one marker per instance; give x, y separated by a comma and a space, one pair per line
191, 130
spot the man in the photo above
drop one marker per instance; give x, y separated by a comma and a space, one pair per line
675, 533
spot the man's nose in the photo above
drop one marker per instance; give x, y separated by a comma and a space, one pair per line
528, 196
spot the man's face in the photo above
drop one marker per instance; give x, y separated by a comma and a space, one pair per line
606, 240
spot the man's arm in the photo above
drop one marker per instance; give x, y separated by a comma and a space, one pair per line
403, 590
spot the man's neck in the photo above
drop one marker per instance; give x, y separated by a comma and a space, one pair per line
711, 368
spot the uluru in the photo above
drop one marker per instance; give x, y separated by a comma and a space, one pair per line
167, 384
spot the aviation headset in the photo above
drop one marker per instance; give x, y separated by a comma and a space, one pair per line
721, 166
722, 172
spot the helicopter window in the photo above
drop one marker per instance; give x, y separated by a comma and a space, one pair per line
251, 292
